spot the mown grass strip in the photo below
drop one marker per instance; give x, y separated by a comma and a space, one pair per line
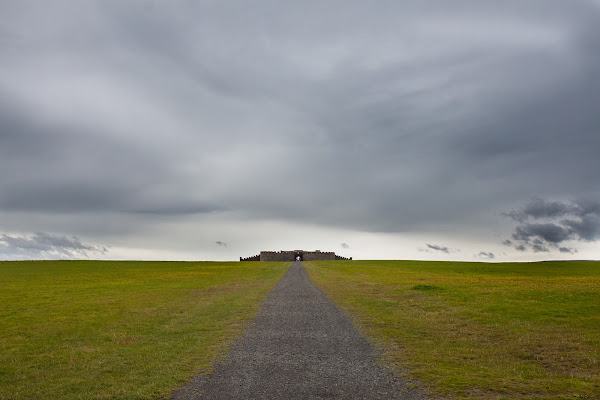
477, 330
120, 330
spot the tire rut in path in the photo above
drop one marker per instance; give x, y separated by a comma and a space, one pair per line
300, 346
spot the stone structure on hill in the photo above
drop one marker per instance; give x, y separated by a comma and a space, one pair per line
292, 255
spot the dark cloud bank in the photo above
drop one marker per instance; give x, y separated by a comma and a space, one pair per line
46, 246
438, 248
545, 225
405, 117
486, 255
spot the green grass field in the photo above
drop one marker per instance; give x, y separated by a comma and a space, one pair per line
129, 330
477, 330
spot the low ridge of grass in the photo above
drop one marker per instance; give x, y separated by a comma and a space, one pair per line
120, 330
477, 330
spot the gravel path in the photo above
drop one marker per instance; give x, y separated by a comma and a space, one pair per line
301, 346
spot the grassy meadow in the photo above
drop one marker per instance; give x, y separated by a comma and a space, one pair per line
478, 330
128, 330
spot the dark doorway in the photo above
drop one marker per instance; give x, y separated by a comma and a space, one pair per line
298, 256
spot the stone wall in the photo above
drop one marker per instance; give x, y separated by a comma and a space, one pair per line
289, 255
251, 258
277, 256
286, 255
318, 255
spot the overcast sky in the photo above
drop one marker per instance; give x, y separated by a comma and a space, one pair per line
197, 130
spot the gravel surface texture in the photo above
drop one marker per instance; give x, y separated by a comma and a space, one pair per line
300, 346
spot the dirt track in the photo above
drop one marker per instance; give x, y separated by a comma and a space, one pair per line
301, 346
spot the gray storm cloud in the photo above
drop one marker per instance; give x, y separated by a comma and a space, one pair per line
406, 117
486, 255
44, 245
545, 225
435, 247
